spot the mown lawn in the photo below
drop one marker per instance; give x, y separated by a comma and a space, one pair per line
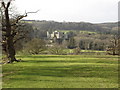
60, 71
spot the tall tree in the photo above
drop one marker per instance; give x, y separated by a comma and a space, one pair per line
115, 45
71, 43
9, 32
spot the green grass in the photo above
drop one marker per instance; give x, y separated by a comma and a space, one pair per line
92, 51
60, 71
88, 32
88, 52
81, 31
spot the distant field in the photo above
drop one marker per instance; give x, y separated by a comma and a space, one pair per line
66, 31
81, 31
62, 71
88, 52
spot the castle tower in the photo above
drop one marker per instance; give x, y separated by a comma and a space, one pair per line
48, 34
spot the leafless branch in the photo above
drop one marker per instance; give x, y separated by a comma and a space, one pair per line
22, 16
19, 39
3, 4
8, 4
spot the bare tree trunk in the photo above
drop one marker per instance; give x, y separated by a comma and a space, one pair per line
10, 50
9, 39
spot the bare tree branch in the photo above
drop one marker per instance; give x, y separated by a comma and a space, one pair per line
19, 39
3, 4
8, 4
22, 16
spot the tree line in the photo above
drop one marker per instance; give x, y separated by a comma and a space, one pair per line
105, 28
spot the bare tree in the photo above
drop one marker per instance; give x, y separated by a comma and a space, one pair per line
57, 49
9, 30
115, 45
35, 46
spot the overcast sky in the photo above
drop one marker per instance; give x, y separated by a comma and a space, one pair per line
94, 11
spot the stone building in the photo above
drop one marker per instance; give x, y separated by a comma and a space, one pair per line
57, 36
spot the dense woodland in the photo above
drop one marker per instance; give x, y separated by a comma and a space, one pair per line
105, 28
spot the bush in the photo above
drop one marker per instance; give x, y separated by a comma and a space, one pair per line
76, 51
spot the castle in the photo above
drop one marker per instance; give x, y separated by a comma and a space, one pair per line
57, 36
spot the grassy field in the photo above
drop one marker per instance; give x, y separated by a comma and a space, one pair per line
60, 71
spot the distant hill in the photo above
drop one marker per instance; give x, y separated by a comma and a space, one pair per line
106, 28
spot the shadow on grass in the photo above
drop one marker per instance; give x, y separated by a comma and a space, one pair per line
48, 61
56, 56
45, 80
70, 61
69, 71
67, 56
46, 56
51, 70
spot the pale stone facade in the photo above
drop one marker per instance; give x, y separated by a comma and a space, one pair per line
57, 35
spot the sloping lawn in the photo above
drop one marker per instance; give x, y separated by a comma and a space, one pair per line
60, 71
